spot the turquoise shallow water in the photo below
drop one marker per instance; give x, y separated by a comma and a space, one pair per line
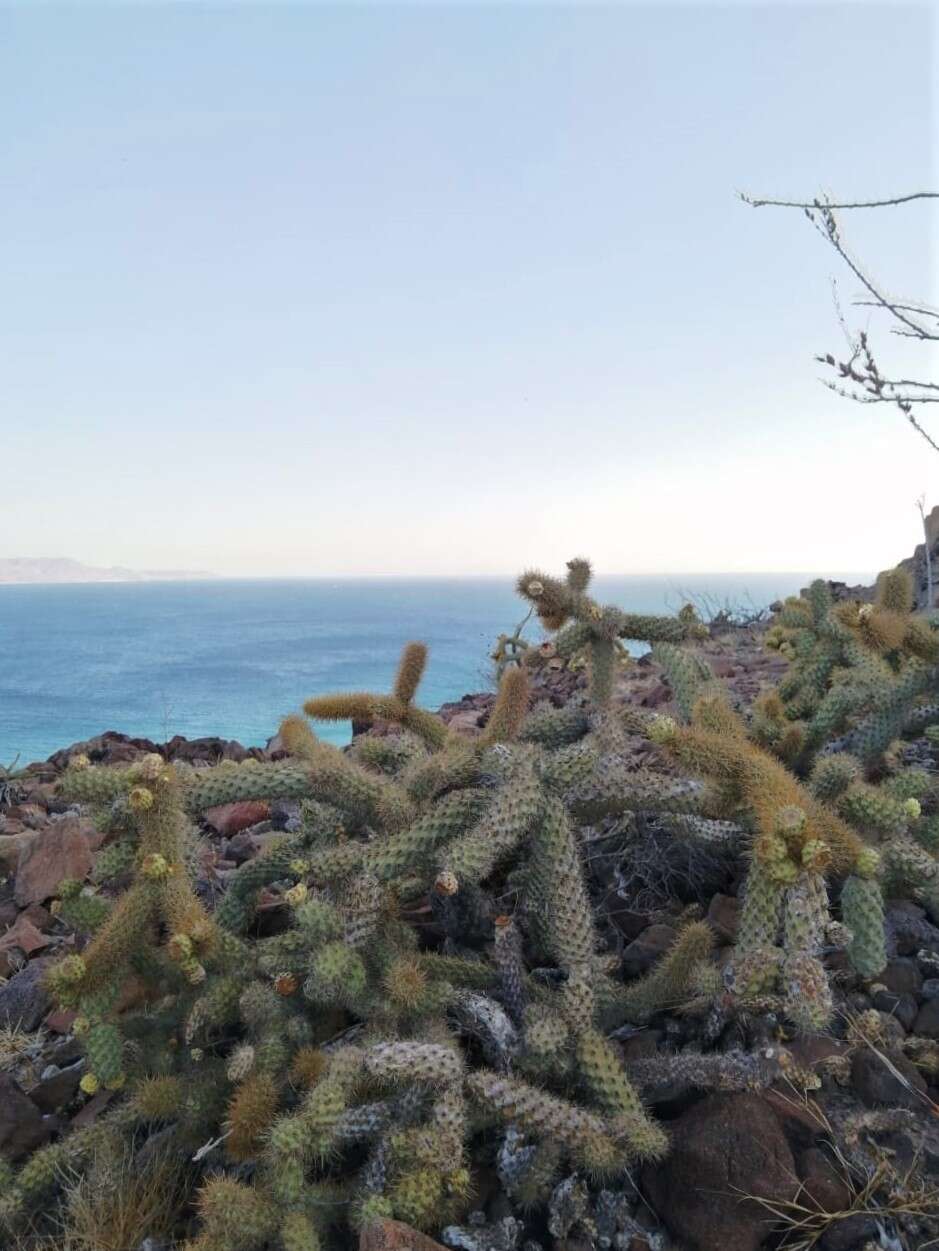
231, 657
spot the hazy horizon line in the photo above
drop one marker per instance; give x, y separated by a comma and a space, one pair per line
441, 577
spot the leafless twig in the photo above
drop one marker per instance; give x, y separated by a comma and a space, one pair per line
859, 376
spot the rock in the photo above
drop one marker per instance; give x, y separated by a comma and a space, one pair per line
283, 811
723, 1148
240, 848
630, 924
852, 1232
891, 1033
60, 1021
801, 1125
22, 1128
23, 935
230, 819
902, 976
641, 954
643, 1045
11, 846
927, 1019
465, 724
93, 1109
23, 999
902, 1008
206, 750
54, 1092
32, 816
810, 1050
389, 1235
39, 916
723, 914
107, 748
822, 1181
62, 850
875, 1084
930, 989
657, 695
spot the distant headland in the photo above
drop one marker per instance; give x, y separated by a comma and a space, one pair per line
39, 569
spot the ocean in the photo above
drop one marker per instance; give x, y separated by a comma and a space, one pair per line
230, 658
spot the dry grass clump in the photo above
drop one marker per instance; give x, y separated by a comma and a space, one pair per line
898, 1200
117, 1203
21, 1052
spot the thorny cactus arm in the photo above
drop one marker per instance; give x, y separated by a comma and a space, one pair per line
588, 1138
160, 895
510, 709
862, 908
671, 981
689, 675
765, 785
602, 1073
500, 831
398, 706
595, 628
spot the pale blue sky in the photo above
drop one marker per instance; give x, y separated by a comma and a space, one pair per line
424, 289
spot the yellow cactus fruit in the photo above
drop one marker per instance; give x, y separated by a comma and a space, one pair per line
140, 798
662, 728
790, 820
816, 855
89, 1084
151, 767
179, 947
296, 894
156, 867
867, 862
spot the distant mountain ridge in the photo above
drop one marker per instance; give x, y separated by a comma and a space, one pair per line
36, 569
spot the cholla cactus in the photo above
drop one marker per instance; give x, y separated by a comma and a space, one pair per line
160, 898
339, 1066
235, 1045
581, 623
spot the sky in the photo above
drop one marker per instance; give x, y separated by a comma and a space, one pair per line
425, 289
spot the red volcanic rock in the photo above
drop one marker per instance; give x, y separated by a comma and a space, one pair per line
229, 819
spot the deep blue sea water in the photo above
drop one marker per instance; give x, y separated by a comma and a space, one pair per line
232, 657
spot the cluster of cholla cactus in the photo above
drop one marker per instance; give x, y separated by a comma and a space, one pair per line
341, 1068
412, 980
821, 779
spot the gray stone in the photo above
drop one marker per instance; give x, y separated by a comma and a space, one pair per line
876, 1084
22, 1126
927, 1020
23, 999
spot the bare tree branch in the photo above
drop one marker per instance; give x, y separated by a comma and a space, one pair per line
857, 204
859, 376
910, 308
